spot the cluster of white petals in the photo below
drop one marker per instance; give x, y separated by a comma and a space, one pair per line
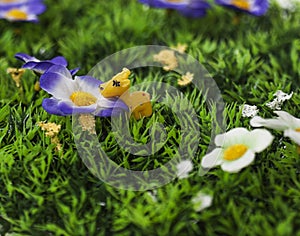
280, 97
284, 122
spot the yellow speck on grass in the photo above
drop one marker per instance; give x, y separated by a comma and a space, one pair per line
186, 79
16, 75
167, 58
52, 131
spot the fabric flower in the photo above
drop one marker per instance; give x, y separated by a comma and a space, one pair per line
201, 201
39, 66
236, 149
254, 7
284, 122
249, 111
79, 95
189, 8
280, 97
184, 168
21, 10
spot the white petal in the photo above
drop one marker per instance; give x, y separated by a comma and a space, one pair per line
237, 165
293, 135
201, 201
276, 124
234, 136
259, 139
184, 168
212, 159
287, 118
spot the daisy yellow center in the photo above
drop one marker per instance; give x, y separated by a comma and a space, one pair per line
243, 4
297, 130
17, 14
234, 152
80, 98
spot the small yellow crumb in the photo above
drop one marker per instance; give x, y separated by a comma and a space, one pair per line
186, 79
180, 47
51, 129
57, 143
16, 75
87, 122
168, 58
37, 86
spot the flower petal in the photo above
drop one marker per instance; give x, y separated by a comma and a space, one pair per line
234, 136
59, 61
287, 118
276, 124
212, 159
51, 106
25, 57
59, 86
35, 8
89, 80
74, 71
237, 165
69, 108
259, 139
39, 67
58, 69
293, 135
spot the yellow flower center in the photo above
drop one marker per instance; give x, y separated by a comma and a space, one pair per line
80, 98
17, 14
242, 4
297, 130
234, 152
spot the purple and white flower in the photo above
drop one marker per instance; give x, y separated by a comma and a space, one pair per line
21, 10
254, 7
74, 96
189, 8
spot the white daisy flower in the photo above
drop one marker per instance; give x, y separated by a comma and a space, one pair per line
236, 149
184, 168
284, 122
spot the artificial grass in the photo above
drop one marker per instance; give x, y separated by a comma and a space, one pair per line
45, 192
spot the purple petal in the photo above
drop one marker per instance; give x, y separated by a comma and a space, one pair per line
39, 67
36, 8
119, 104
59, 61
163, 4
25, 57
74, 71
109, 112
56, 84
90, 80
51, 106
61, 70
